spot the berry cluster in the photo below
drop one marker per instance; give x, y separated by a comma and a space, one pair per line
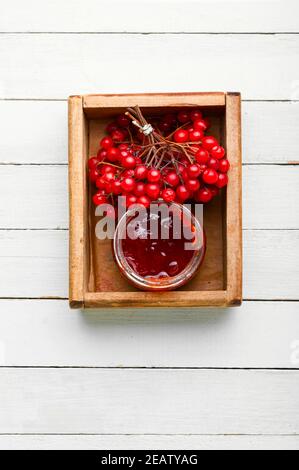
175, 160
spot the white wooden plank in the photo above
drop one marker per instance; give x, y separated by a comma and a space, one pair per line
35, 264
270, 196
33, 197
33, 132
151, 15
40, 128
271, 269
260, 66
36, 197
118, 442
47, 333
269, 132
163, 401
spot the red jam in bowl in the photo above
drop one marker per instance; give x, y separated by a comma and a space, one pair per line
159, 251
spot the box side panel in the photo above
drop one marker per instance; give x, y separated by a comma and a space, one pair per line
156, 299
94, 105
234, 200
77, 196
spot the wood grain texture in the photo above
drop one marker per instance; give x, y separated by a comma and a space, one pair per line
180, 401
41, 198
47, 333
92, 103
134, 15
119, 442
259, 132
23, 209
233, 219
31, 60
34, 263
49, 142
77, 197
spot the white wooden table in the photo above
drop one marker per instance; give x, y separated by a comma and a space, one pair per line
147, 379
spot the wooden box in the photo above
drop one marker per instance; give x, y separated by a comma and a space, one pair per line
94, 278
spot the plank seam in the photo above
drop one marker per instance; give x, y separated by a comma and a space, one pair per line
155, 33
181, 368
147, 434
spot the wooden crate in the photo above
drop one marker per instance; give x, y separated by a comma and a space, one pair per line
94, 277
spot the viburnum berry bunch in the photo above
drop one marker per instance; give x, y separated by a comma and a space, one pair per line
172, 158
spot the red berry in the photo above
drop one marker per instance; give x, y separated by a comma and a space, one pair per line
101, 182
102, 154
223, 165
116, 187
109, 176
164, 126
170, 118
123, 147
144, 201
93, 163
152, 190
192, 184
128, 184
153, 175
181, 136
94, 174
123, 120
195, 114
222, 180
207, 122
184, 161
214, 190
208, 142
106, 142
125, 153
118, 135
131, 199
141, 172
195, 135
113, 154
128, 173
217, 151
109, 179
213, 163
99, 199
184, 174
128, 162
168, 195
194, 148
202, 156
107, 168
199, 125
202, 167
112, 126
172, 178
183, 117
193, 170
139, 189
210, 176
204, 195
182, 193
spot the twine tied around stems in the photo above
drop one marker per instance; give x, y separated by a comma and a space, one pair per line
147, 129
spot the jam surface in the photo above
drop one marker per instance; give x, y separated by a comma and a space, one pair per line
152, 256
